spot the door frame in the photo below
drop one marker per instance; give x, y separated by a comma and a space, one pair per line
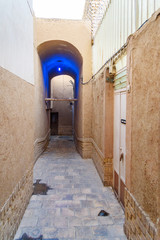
117, 176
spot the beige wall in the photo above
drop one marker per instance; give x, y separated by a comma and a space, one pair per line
98, 123
16, 150
42, 127
16, 131
143, 117
102, 126
78, 34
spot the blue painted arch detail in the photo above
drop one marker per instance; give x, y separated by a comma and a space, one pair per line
60, 58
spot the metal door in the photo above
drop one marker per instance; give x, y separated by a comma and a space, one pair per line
119, 143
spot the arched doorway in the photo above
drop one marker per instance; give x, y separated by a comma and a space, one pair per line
60, 59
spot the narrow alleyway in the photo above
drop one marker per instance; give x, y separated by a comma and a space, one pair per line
71, 207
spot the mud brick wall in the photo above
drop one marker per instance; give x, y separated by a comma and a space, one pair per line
14, 208
98, 123
137, 223
108, 172
83, 146
143, 119
102, 127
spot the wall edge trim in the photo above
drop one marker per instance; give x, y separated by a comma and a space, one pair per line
39, 140
91, 140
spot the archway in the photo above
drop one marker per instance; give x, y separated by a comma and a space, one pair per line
60, 58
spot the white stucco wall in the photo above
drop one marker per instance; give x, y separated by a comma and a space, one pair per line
16, 38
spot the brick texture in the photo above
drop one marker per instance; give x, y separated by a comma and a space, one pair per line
83, 147
108, 172
104, 166
137, 223
14, 208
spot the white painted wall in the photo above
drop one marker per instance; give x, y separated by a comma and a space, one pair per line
122, 18
16, 38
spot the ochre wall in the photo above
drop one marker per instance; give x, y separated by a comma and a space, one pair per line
109, 100
16, 149
42, 127
102, 126
143, 117
98, 123
78, 34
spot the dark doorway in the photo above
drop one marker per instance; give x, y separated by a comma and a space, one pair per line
54, 123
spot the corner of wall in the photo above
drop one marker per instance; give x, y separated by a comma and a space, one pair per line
40, 145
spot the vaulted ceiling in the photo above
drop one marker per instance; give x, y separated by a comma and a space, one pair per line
60, 57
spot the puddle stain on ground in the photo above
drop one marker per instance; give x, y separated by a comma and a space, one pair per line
40, 188
26, 237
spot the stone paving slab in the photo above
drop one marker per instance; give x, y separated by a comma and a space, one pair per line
70, 209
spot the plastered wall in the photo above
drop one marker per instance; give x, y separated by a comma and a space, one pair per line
42, 124
98, 123
98, 113
16, 150
102, 126
16, 131
143, 117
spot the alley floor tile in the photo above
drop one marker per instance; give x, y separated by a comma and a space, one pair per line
69, 210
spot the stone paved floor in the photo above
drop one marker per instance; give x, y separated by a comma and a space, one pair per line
70, 210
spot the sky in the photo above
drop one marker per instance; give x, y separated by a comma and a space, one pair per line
64, 9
